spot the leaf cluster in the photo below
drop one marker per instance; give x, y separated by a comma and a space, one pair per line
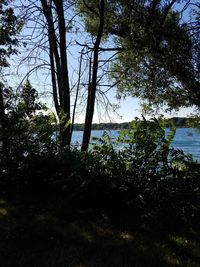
10, 26
159, 57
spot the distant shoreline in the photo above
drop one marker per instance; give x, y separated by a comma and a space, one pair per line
179, 122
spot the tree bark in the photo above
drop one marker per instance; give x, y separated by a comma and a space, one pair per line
53, 43
53, 80
2, 119
58, 60
77, 92
64, 68
93, 85
2, 110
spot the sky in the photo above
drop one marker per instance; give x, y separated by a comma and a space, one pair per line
129, 108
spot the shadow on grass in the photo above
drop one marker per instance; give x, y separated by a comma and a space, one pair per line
52, 233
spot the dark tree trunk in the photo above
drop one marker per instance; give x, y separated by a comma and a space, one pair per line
77, 92
53, 79
2, 110
53, 45
2, 120
93, 85
59, 67
64, 68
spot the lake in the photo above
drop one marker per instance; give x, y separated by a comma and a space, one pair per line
186, 139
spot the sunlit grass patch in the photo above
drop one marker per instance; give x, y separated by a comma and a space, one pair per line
3, 212
179, 240
87, 236
4, 208
126, 236
3, 202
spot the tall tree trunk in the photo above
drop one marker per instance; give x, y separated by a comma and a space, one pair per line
53, 80
2, 119
53, 45
58, 60
2, 110
64, 68
77, 92
93, 85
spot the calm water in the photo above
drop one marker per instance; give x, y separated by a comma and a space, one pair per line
186, 139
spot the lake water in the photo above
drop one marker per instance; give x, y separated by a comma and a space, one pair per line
186, 139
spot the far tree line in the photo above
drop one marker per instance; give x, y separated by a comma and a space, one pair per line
179, 122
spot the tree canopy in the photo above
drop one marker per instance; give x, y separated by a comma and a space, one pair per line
10, 25
160, 51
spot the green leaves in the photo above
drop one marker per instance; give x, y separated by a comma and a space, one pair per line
147, 175
10, 26
160, 58
64, 123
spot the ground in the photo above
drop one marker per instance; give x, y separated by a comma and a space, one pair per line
49, 231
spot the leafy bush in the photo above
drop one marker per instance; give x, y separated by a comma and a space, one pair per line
27, 135
146, 175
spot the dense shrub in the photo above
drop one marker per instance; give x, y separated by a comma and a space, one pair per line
147, 175
138, 171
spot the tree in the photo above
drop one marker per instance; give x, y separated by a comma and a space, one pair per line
10, 26
164, 69
29, 133
49, 22
92, 86
2, 111
58, 62
99, 58
45, 53
159, 59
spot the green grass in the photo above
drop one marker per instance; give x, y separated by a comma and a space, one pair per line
51, 232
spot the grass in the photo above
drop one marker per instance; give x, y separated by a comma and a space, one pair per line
50, 231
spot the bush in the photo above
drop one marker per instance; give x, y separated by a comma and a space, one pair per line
146, 175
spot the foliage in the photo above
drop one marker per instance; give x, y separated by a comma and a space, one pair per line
147, 175
106, 198
10, 26
140, 171
29, 133
159, 58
